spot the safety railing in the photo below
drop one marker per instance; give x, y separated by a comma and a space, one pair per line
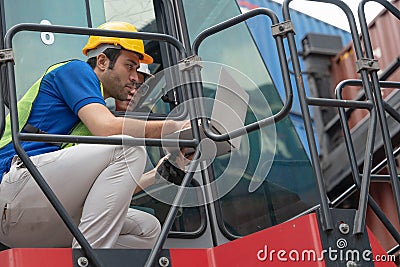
367, 158
367, 67
279, 31
326, 217
373, 73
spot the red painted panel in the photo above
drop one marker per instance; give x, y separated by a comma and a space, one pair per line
191, 257
287, 243
36, 257
294, 243
380, 257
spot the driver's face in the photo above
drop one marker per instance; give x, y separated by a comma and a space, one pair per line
119, 81
132, 100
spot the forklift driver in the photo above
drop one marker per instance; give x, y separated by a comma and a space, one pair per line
94, 182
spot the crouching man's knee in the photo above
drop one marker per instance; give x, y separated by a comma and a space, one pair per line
140, 230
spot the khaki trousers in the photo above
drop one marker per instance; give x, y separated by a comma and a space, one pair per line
95, 184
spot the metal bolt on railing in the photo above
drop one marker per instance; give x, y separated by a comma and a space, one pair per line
163, 261
344, 228
83, 262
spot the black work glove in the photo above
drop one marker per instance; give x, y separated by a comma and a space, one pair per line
169, 172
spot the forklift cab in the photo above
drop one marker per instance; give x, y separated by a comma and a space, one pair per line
260, 195
271, 172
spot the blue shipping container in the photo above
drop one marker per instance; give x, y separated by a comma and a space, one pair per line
260, 28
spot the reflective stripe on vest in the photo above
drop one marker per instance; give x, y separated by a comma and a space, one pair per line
24, 107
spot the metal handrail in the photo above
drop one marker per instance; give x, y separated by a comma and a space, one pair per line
2, 106
353, 161
326, 217
379, 99
383, 76
377, 111
373, 73
283, 64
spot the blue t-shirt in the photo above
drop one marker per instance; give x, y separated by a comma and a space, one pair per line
62, 93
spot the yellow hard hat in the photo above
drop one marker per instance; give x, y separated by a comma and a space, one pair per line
134, 45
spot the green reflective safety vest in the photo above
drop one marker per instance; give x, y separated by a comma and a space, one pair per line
24, 107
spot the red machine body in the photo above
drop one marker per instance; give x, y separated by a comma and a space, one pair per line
294, 243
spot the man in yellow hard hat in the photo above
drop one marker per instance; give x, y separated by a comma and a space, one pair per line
94, 182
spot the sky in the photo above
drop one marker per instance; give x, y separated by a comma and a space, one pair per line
331, 13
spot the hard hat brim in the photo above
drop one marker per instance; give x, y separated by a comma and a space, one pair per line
146, 59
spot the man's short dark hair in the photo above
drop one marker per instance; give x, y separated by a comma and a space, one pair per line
112, 55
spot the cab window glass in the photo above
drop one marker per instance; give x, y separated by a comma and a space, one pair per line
34, 52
